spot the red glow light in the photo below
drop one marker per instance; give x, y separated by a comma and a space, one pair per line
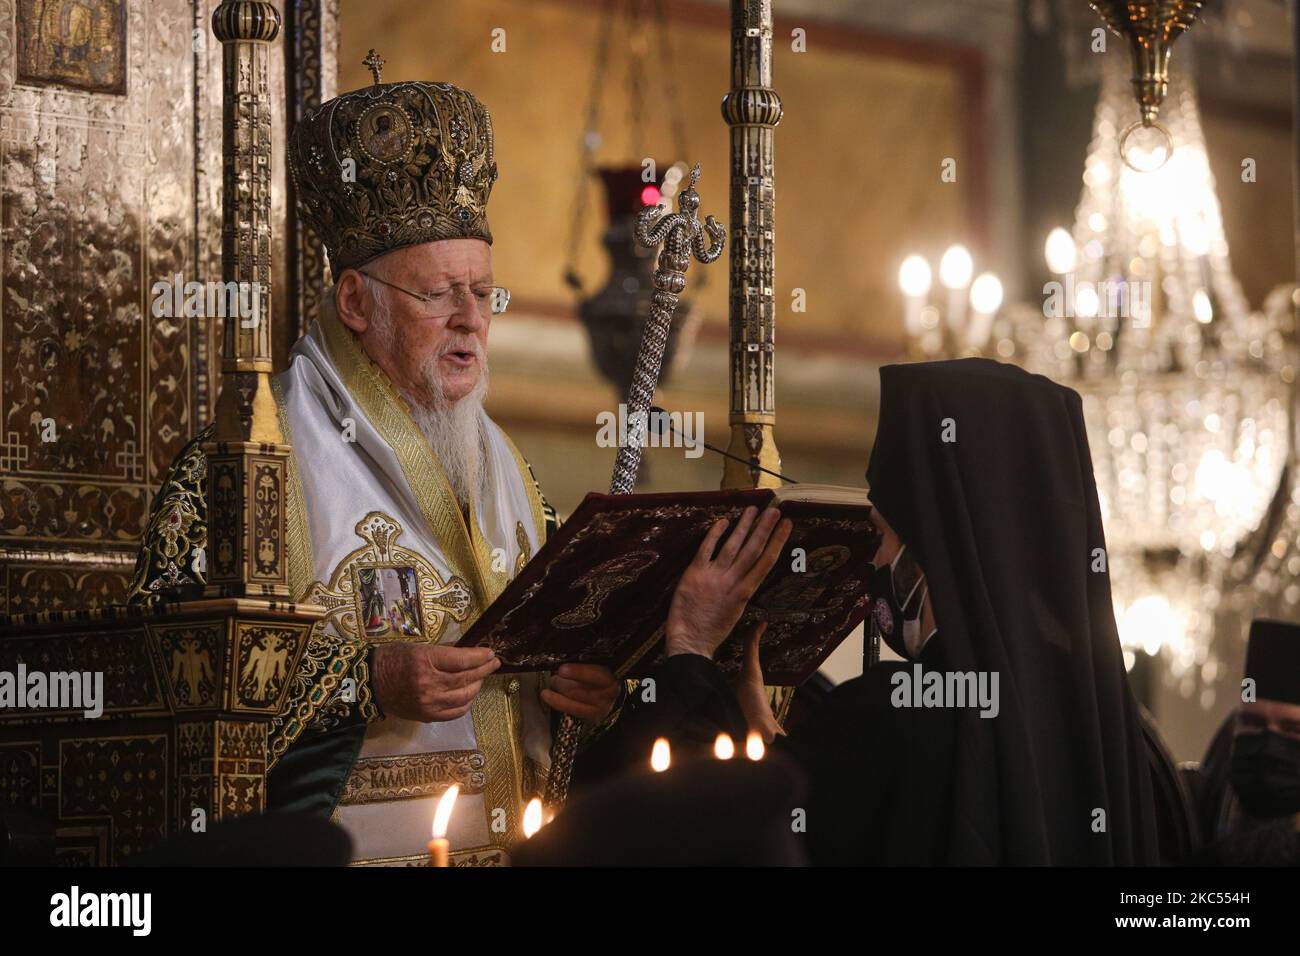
650, 195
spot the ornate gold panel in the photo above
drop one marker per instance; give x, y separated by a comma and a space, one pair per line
191, 655
110, 182
267, 655
20, 774
401, 777
103, 195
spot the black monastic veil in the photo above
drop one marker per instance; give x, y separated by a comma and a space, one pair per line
984, 470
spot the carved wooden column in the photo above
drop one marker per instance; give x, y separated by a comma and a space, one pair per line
752, 110
247, 457
254, 644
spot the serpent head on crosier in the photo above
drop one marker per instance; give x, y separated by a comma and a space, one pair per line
681, 232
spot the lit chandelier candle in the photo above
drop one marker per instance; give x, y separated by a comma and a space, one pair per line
1062, 256
1060, 252
914, 280
754, 748
1202, 307
439, 846
1087, 308
955, 270
985, 300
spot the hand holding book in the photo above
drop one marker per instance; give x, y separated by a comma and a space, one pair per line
714, 590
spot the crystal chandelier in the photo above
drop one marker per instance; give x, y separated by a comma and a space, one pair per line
1186, 391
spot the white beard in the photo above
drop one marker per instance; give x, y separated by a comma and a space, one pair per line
454, 430
455, 433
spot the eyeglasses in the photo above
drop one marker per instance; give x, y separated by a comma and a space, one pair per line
445, 303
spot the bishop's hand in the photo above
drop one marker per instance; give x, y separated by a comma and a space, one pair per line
713, 592
429, 682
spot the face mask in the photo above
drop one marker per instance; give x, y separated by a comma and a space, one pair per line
1266, 773
886, 618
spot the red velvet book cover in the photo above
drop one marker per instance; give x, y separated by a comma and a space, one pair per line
598, 591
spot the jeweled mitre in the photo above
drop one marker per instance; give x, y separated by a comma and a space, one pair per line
393, 165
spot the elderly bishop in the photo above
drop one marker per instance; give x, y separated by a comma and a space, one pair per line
409, 509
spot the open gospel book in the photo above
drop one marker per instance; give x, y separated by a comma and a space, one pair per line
598, 591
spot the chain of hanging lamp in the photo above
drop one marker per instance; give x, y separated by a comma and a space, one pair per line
641, 17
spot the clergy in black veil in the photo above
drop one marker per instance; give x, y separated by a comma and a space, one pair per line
982, 472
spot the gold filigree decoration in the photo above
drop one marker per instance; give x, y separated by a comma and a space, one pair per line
602, 581
525, 552
393, 165
328, 660
405, 777
297, 536
358, 591
264, 656
191, 653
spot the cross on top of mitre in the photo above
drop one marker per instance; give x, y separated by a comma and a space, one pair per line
375, 64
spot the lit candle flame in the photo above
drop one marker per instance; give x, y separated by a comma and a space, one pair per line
724, 748
956, 267
532, 817
660, 756
442, 815
914, 277
1060, 251
754, 748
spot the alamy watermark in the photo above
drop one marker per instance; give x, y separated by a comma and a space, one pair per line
175, 298
130, 910
55, 690
653, 429
1124, 299
947, 689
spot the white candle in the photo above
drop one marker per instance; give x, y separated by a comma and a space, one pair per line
955, 269
439, 847
985, 300
914, 280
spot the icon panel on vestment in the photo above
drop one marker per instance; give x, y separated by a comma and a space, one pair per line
383, 592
